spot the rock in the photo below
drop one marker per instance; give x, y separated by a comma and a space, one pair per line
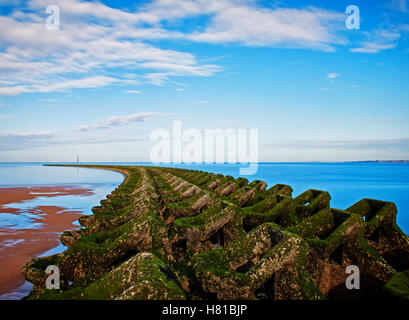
228, 190
168, 233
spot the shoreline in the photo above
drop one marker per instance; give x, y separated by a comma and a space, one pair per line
143, 163
31, 231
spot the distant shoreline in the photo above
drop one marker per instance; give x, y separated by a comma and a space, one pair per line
356, 161
387, 161
147, 162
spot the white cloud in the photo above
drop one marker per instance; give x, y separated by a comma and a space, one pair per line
380, 121
157, 78
22, 140
75, 9
373, 47
378, 40
5, 116
91, 82
180, 89
397, 144
280, 27
6, 82
116, 121
48, 100
37, 135
322, 89
134, 91
186, 68
13, 91
332, 75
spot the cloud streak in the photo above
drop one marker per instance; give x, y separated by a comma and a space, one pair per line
91, 82
378, 40
280, 27
332, 75
134, 91
381, 121
22, 140
401, 144
117, 121
25, 141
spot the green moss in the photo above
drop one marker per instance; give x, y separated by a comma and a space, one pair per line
148, 241
399, 285
142, 277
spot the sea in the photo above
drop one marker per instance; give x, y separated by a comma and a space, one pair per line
347, 182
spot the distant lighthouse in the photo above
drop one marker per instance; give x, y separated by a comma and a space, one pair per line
78, 160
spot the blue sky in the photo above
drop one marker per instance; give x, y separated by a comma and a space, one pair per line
116, 70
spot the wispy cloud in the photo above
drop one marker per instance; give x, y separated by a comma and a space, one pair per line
117, 121
90, 82
381, 121
332, 75
21, 140
13, 91
25, 141
310, 28
373, 47
134, 91
48, 100
5, 82
395, 144
378, 40
6, 116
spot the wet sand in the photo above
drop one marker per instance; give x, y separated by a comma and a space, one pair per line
19, 245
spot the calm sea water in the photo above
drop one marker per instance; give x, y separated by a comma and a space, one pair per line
35, 174
101, 182
346, 182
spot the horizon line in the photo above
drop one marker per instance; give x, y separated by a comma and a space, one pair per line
214, 163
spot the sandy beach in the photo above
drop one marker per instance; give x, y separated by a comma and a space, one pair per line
19, 244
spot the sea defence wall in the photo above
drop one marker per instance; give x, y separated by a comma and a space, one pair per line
169, 233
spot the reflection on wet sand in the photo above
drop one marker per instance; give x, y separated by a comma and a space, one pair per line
26, 232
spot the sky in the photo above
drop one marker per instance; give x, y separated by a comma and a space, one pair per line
115, 71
